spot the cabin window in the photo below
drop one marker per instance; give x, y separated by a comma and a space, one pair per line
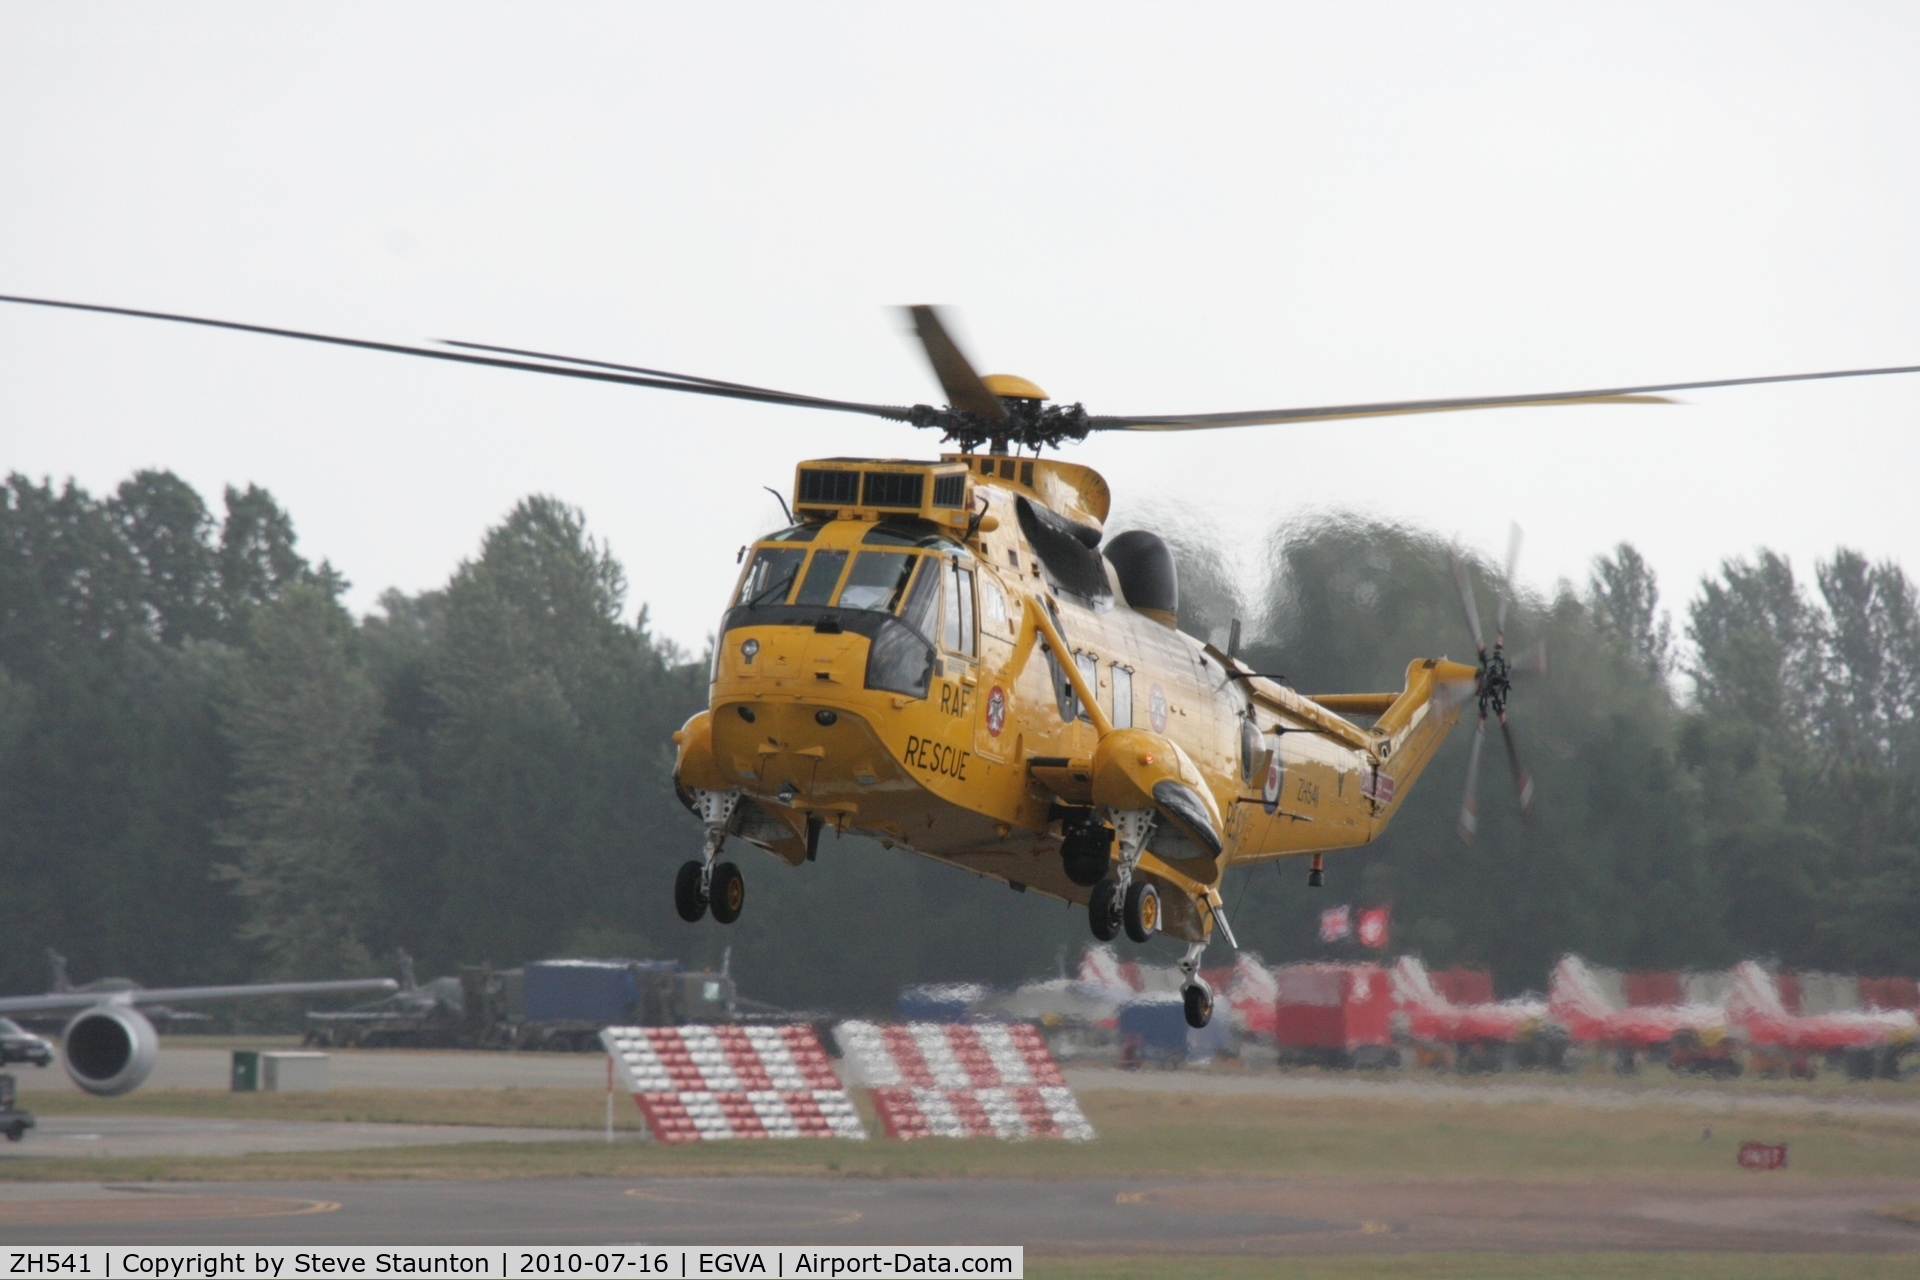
1253, 748
1090, 672
993, 606
876, 580
957, 628
771, 575
823, 575
1122, 697
923, 602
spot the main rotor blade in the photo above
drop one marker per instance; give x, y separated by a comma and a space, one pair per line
608, 364
1651, 394
1472, 610
965, 391
661, 381
1507, 587
1522, 780
1470, 801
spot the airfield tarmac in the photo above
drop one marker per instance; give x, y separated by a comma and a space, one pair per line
1047, 1217
1786, 1213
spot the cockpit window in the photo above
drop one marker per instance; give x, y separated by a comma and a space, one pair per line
823, 575
876, 580
771, 575
799, 533
923, 602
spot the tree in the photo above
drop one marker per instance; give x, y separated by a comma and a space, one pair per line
301, 716
1623, 595
168, 529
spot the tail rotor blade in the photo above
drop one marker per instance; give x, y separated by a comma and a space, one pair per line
965, 391
1470, 802
1531, 663
1522, 780
1508, 587
1472, 610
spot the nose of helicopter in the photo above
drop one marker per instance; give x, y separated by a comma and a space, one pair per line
793, 720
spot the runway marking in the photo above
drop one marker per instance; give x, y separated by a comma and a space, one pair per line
156, 1205
851, 1216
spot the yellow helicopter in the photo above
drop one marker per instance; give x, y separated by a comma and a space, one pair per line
953, 658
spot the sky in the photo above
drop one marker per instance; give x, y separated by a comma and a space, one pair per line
1141, 207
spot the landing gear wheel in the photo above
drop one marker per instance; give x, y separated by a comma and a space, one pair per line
687, 898
729, 892
1199, 1002
1103, 913
1142, 912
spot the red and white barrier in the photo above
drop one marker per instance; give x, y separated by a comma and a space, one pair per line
944, 1080
706, 1083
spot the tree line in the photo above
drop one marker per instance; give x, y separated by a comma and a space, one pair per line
211, 771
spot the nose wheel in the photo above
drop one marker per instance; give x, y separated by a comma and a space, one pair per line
689, 895
706, 884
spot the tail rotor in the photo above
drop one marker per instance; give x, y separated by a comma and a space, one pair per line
1492, 686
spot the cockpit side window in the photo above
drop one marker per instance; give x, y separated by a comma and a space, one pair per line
956, 630
876, 580
923, 602
770, 577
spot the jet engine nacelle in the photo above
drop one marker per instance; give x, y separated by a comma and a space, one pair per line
109, 1050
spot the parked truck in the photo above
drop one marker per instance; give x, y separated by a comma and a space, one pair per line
547, 1004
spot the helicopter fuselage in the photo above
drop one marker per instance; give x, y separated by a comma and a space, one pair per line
922, 676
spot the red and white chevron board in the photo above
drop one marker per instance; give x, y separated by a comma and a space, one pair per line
942, 1080
709, 1083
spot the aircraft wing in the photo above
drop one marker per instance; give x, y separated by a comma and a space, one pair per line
55, 1001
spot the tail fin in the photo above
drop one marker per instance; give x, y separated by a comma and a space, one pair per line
1574, 992
1101, 967
1754, 992
1412, 985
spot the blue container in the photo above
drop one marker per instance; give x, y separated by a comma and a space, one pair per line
940, 1002
1155, 1027
598, 991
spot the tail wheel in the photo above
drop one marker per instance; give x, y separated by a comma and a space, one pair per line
729, 892
1103, 913
1142, 912
1199, 1002
687, 898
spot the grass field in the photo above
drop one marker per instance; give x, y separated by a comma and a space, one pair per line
1141, 1134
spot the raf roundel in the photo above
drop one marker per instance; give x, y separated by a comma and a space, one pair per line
996, 711
1270, 792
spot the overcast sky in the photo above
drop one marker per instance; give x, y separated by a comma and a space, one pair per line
1140, 207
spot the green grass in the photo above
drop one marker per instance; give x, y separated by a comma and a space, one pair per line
1485, 1266
1141, 1135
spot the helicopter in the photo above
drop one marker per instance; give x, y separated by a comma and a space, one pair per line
953, 658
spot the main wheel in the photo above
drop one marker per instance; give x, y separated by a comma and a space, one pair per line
687, 898
1142, 912
729, 892
1199, 1002
1102, 913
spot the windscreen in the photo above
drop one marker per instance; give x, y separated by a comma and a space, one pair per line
876, 580
771, 575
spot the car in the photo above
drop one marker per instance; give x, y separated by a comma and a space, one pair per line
17, 1044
